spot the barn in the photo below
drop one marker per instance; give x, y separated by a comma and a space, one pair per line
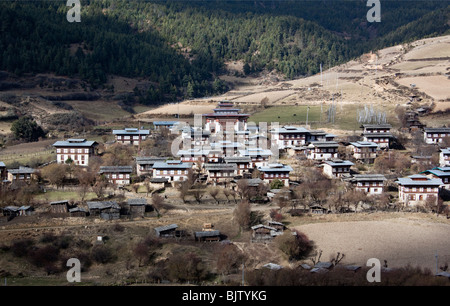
107, 210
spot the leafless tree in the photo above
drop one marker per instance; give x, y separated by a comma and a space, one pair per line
214, 193
242, 214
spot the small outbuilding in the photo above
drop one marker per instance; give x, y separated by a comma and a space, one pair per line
107, 210
207, 236
137, 207
166, 231
77, 212
59, 207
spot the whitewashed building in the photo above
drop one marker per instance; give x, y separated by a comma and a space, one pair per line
417, 189
259, 157
336, 168
173, 170
378, 133
277, 171
322, 150
371, 184
131, 136
435, 135
364, 151
442, 173
76, 150
117, 175
444, 157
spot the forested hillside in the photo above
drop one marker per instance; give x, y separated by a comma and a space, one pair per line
181, 46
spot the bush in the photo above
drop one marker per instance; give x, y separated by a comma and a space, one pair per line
102, 254
22, 247
45, 256
184, 267
295, 244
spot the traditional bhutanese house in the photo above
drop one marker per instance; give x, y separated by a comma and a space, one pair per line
144, 164
130, 136
214, 156
336, 168
173, 170
318, 209
252, 183
107, 210
370, 183
444, 157
159, 125
137, 207
117, 175
225, 116
421, 159
435, 135
3, 172
77, 212
207, 236
258, 141
242, 163
442, 173
76, 150
227, 148
322, 150
159, 182
220, 173
364, 151
21, 174
377, 133
193, 156
275, 172
259, 157
59, 207
263, 232
317, 135
166, 231
289, 136
417, 189
196, 137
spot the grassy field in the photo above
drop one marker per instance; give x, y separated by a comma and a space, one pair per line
60, 195
345, 117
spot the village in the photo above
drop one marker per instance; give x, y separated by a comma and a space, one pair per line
226, 161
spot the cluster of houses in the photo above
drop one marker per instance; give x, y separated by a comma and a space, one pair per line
226, 148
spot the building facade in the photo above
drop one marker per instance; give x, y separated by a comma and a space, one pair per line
435, 135
277, 171
417, 189
77, 151
117, 175
336, 168
131, 136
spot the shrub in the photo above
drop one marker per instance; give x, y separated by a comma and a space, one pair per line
22, 247
45, 256
102, 254
295, 244
186, 267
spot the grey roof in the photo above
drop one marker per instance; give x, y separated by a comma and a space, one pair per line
220, 166
23, 207
22, 170
264, 226
11, 208
254, 182
237, 159
364, 144
2, 164
276, 223
437, 172
149, 160
377, 126
137, 201
115, 169
375, 135
159, 180
324, 144
77, 209
437, 130
317, 133
165, 122
369, 177
255, 152
410, 180
323, 265
59, 202
169, 165
131, 132
291, 129
102, 205
443, 150
444, 169
272, 266
165, 228
335, 163
207, 234
275, 168
75, 143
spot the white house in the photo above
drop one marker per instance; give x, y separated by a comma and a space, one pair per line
322, 150
336, 168
259, 157
220, 172
442, 173
132, 136
417, 189
372, 184
77, 150
364, 150
378, 133
117, 175
173, 170
444, 157
435, 135
289, 136
275, 172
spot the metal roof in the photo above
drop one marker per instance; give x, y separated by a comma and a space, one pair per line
324, 144
369, 177
137, 201
115, 169
207, 233
339, 163
362, 144
168, 165
165, 228
75, 143
445, 150
424, 181
220, 166
275, 168
103, 205
22, 170
255, 152
131, 132
77, 209
290, 130
165, 122
237, 159
437, 130
2, 164
377, 126
375, 135
436, 172
59, 202
149, 160
264, 226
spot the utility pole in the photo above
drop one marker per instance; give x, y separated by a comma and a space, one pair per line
243, 275
307, 113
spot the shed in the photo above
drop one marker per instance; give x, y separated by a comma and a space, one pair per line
277, 225
107, 210
166, 230
59, 207
272, 266
77, 212
262, 232
10, 211
207, 236
137, 206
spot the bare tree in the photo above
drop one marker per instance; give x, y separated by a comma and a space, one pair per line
55, 174
243, 189
214, 193
242, 214
86, 180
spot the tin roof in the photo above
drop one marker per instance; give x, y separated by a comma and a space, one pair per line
419, 180
165, 228
207, 234
75, 143
102, 205
137, 201
336, 163
169, 165
22, 170
115, 169
131, 132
